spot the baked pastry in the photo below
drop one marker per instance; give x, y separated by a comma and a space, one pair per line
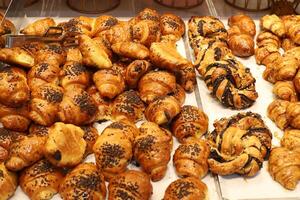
109, 83
120, 187
292, 27
65, 145
128, 105
17, 56
148, 14
294, 52
274, 24
277, 113
38, 27
191, 122
16, 119
6, 27
146, 32
41, 74
131, 50
286, 69
152, 149
41, 180
285, 90
44, 104
190, 158
104, 44
179, 94
244, 23
293, 114
288, 44
113, 148
102, 23
291, 139
121, 32
14, 90
90, 136
171, 24
52, 53
73, 54
103, 105
296, 81
284, 166
8, 182
92, 53
135, 70
162, 110
189, 188
155, 84
74, 74
83, 182
7, 138
232, 152
77, 107
81, 24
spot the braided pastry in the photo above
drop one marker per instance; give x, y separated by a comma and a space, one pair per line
274, 24
190, 158
191, 122
239, 145
38, 27
285, 90
8, 182
291, 139
135, 70
152, 149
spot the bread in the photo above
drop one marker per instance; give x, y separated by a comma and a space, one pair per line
104, 22
131, 50
81, 24
152, 149
146, 32
65, 145
8, 183
52, 53
291, 139
135, 70
148, 14
285, 90
17, 56
7, 138
120, 187
38, 27
274, 24
171, 24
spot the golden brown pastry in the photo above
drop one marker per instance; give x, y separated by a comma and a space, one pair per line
189, 188
131, 50
44, 104
52, 53
146, 32
77, 107
287, 44
120, 187
148, 14
135, 70
90, 136
38, 27
65, 145
6, 27
292, 27
41, 180
81, 24
291, 139
16, 119
293, 114
83, 182
109, 83
191, 122
113, 148
284, 166
274, 24
121, 32
296, 81
104, 110
8, 182
286, 68
73, 54
152, 149
74, 75
92, 53
104, 44
244, 23
128, 105
171, 24
14, 90
277, 113
155, 84
179, 94
294, 52
102, 23
270, 73
17, 56
7, 138
165, 55
285, 90
239, 145
162, 110
190, 158
41, 74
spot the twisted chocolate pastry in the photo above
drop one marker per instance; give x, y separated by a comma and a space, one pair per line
239, 145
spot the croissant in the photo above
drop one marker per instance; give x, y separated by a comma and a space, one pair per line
171, 24
73, 54
74, 75
131, 50
152, 149
81, 24
291, 139
41, 74
92, 53
121, 32
244, 23
135, 70
292, 27
191, 122
287, 44
270, 73
104, 44
18, 56
296, 81
190, 188
190, 158
277, 113
109, 83
113, 148
146, 32
7, 138
274, 24
44, 105
162, 110
65, 146
83, 182
90, 136
16, 119
155, 84
128, 105
285, 90
148, 14
41, 180
284, 166
293, 114
6, 27
104, 110
179, 94
295, 52
104, 22
232, 152
39, 27
287, 68
14, 90
8, 182
121, 186
52, 53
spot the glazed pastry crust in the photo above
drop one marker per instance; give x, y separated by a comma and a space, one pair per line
8, 182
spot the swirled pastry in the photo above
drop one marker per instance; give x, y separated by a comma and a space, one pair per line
171, 24
8, 182
285, 90
38, 27
135, 70
239, 145
274, 24
191, 122
291, 139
